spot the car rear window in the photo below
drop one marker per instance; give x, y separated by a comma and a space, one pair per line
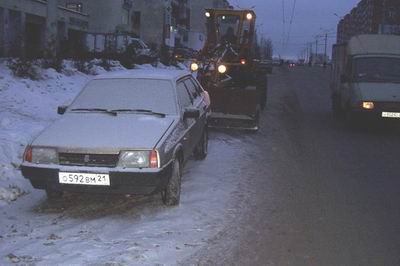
111, 94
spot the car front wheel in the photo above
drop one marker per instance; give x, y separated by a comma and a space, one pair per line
172, 193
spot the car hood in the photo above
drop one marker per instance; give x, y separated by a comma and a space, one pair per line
385, 92
104, 132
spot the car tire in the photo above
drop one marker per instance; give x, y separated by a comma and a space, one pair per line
201, 151
53, 194
172, 193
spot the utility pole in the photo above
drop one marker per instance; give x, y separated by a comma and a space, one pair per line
316, 49
326, 47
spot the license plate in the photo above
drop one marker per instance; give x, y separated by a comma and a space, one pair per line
390, 115
84, 179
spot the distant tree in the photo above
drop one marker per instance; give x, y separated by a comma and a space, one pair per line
266, 48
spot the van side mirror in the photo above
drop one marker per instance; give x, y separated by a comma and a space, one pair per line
61, 109
191, 113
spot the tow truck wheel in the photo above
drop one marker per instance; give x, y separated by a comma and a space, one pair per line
172, 194
201, 151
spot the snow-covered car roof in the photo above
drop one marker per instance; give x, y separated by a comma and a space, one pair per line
162, 74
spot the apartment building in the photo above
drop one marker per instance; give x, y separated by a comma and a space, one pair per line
160, 22
36, 28
370, 16
105, 16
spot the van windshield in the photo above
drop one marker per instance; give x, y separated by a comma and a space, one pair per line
377, 69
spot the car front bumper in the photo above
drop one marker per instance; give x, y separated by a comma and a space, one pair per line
140, 182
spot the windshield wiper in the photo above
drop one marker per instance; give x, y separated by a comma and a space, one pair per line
145, 111
94, 110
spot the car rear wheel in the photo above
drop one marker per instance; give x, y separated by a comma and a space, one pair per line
201, 151
53, 194
172, 193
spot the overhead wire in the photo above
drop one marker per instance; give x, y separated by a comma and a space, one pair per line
291, 20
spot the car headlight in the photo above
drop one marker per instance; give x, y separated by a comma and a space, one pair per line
44, 155
139, 159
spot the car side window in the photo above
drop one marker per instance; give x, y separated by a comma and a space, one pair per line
191, 88
197, 86
183, 95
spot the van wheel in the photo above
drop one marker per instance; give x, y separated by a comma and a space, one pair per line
53, 194
172, 193
201, 151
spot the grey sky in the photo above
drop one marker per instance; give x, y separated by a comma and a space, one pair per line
311, 16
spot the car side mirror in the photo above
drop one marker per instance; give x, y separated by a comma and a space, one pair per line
61, 109
191, 113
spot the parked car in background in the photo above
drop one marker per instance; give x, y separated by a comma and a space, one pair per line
128, 133
139, 51
182, 54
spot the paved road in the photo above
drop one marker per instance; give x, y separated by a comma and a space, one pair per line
317, 191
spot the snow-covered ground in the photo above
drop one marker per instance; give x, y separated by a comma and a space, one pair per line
100, 230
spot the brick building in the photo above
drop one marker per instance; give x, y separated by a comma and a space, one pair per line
370, 16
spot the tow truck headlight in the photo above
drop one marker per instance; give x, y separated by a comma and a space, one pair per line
194, 67
368, 105
139, 159
222, 69
41, 155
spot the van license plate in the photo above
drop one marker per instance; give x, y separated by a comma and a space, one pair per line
390, 115
84, 179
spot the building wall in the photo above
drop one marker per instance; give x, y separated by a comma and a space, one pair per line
27, 30
370, 16
198, 30
152, 20
106, 16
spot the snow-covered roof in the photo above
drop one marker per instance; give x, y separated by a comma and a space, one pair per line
164, 74
374, 44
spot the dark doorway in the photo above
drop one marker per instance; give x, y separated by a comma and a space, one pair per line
76, 44
34, 36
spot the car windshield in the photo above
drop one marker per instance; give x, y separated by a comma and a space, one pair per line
127, 94
377, 69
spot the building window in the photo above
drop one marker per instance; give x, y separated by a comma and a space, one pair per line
136, 19
125, 17
74, 6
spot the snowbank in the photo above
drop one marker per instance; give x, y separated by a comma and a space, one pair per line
26, 108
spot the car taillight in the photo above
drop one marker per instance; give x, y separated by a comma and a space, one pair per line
28, 154
154, 161
243, 61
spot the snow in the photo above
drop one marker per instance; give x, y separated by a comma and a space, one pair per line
100, 229
26, 108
